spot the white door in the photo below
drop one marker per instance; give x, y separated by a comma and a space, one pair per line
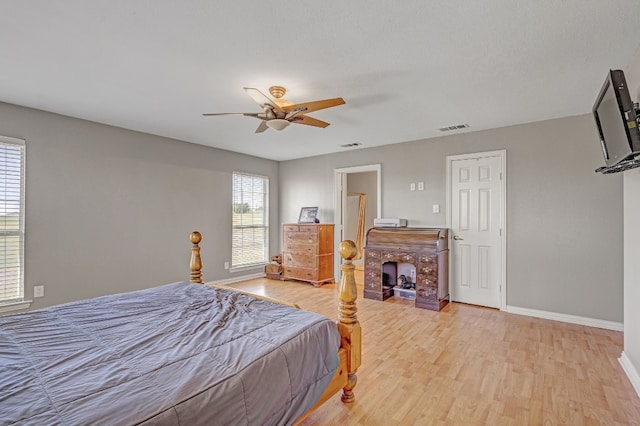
477, 205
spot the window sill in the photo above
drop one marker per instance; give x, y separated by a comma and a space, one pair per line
14, 306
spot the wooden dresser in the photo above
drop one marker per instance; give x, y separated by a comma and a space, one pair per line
426, 249
307, 253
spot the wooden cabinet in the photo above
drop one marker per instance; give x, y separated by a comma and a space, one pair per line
307, 253
426, 249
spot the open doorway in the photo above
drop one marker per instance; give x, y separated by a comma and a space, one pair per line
355, 186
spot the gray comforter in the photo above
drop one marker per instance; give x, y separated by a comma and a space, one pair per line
177, 354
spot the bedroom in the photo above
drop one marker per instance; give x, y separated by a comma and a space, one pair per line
105, 202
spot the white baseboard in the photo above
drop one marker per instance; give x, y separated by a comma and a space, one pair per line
631, 371
238, 279
572, 319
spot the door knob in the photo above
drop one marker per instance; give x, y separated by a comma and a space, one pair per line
457, 237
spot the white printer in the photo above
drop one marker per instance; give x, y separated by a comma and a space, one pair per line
389, 222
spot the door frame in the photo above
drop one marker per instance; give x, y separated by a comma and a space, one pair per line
503, 216
340, 180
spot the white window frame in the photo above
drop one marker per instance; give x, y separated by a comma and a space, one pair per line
18, 302
238, 264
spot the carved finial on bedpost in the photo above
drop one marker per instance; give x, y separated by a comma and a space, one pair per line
196, 260
348, 293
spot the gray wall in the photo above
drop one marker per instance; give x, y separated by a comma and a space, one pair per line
632, 242
564, 222
110, 210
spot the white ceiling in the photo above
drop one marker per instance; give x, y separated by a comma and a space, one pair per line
405, 68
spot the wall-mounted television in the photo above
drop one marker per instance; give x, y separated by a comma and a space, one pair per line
617, 123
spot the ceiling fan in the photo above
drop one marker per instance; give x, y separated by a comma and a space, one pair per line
277, 113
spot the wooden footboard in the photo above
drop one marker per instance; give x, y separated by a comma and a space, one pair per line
350, 351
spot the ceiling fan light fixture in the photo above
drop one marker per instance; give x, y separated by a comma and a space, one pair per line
278, 113
278, 124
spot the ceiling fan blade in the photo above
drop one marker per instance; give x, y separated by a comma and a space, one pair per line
309, 121
262, 127
263, 100
246, 114
314, 106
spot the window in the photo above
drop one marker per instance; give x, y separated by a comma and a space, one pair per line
250, 239
11, 219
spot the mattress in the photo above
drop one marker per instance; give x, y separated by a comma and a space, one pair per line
180, 353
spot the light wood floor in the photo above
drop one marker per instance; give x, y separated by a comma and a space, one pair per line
468, 365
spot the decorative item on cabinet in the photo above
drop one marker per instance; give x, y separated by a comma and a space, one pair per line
308, 215
273, 270
308, 253
424, 251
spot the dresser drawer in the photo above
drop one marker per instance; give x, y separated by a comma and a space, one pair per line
300, 260
301, 237
311, 229
297, 248
300, 273
291, 228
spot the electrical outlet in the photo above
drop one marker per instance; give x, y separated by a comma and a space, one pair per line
38, 291
226, 265
412, 186
420, 186
436, 208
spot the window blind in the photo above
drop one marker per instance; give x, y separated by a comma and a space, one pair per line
250, 230
11, 219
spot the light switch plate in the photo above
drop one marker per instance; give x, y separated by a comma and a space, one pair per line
436, 208
420, 186
412, 186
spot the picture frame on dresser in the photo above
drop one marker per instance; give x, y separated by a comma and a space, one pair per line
308, 215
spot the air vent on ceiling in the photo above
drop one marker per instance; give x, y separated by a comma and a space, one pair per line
456, 127
349, 145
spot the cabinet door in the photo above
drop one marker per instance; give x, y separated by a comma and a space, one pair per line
427, 280
325, 266
325, 239
372, 271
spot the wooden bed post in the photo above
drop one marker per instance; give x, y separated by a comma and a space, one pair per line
348, 324
196, 261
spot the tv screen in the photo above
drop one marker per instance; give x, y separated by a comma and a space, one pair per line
615, 117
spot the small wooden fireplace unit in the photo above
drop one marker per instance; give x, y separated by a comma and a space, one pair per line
427, 249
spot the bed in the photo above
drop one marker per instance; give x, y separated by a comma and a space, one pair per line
181, 353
